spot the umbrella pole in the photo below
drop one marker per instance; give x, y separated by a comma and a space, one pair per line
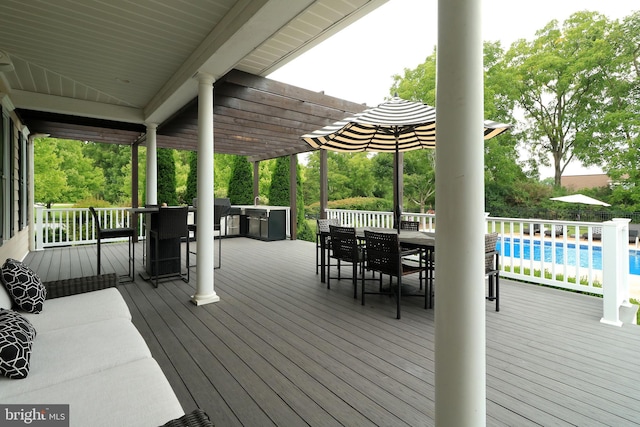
398, 204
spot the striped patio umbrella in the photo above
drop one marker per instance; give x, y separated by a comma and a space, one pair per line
393, 126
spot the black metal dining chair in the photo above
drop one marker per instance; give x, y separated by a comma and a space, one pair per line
171, 224
322, 232
114, 233
344, 248
383, 254
410, 225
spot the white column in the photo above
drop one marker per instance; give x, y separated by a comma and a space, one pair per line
615, 269
152, 165
460, 352
205, 292
31, 189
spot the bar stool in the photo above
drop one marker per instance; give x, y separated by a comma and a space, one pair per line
171, 224
146, 226
114, 233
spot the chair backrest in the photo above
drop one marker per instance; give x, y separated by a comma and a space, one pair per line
172, 222
382, 252
490, 252
221, 207
344, 244
410, 225
96, 220
324, 223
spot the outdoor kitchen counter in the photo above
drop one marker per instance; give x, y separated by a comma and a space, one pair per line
264, 222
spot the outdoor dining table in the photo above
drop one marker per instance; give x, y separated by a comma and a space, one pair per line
423, 240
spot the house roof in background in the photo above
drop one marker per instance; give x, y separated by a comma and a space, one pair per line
577, 182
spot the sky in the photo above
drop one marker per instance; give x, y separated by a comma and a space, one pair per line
402, 33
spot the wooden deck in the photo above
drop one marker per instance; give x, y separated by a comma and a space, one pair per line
281, 349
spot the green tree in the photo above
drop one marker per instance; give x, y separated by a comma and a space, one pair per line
420, 179
240, 190
84, 180
558, 80
50, 181
279, 190
617, 125
304, 230
192, 178
113, 160
166, 177
181, 161
222, 167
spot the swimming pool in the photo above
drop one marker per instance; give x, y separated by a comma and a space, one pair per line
523, 250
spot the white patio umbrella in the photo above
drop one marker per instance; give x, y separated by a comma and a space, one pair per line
580, 198
393, 126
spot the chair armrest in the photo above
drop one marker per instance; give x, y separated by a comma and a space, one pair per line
406, 252
79, 285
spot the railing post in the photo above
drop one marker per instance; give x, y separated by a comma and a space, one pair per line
39, 228
615, 269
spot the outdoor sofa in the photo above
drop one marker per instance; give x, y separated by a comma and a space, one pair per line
86, 353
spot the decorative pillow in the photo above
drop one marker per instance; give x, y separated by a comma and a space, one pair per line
16, 339
24, 286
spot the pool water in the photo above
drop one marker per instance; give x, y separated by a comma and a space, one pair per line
518, 249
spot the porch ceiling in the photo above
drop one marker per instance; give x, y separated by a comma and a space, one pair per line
103, 66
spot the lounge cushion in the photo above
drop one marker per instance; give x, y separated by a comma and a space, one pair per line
24, 286
80, 309
16, 340
133, 394
73, 352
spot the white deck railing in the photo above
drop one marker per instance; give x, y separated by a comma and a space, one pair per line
75, 226
597, 263
588, 257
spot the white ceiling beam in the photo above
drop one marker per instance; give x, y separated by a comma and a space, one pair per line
70, 106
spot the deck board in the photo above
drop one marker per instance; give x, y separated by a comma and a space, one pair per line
279, 348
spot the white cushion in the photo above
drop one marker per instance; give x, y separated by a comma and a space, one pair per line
5, 299
134, 394
80, 309
73, 352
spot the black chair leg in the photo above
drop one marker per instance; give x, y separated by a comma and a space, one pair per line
497, 293
99, 256
155, 262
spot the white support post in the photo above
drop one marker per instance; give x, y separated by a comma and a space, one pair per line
39, 228
460, 339
152, 165
615, 269
31, 202
205, 292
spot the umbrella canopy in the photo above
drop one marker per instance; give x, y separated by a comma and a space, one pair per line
580, 198
393, 126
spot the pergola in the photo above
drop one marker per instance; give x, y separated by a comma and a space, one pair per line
253, 116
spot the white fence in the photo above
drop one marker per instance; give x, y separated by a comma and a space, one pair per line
590, 257
75, 226
581, 256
